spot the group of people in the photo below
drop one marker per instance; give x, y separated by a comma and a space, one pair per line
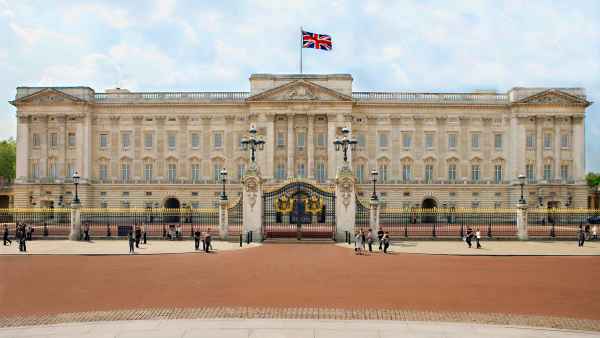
361, 240
173, 233
583, 234
206, 239
134, 237
470, 235
23, 234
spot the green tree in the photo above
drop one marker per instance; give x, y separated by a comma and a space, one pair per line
8, 159
593, 179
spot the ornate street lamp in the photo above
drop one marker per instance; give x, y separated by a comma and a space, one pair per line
223, 179
374, 174
253, 143
344, 143
76, 182
522, 184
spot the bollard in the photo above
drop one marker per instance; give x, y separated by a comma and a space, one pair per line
241, 240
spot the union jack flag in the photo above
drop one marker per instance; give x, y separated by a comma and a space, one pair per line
317, 41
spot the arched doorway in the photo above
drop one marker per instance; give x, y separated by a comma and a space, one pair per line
171, 203
429, 203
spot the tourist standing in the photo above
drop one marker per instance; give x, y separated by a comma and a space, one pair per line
363, 239
478, 238
22, 239
29, 231
207, 240
144, 233
131, 241
386, 242
469, 236
86, 232
580, 236
587, 231
138, 235
595, 232
370, 240
5, 235
357, 243
197, 235
210, 239
380, 238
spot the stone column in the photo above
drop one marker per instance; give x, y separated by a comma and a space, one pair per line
522, 221
578, 149
345, 202
182, 148
331, 155
252, 207
539, 149
310, 147
556, 149
206, 146
223, 219
291, 146
86, 148
22, 148
44, 138
75, 233
374, 215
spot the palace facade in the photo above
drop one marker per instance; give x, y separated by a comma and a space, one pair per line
155, 149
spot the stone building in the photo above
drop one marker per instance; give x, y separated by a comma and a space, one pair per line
154, 149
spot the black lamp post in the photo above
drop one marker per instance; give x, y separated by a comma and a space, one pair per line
374, 174
76, 182
522, 184
344, 143
223, 179
253, 143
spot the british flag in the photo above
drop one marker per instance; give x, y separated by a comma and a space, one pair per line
317, 41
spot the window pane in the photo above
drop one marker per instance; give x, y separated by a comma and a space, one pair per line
300, 140
451, 141
498, 141
429, 141
148, 140
195, 140
475, 141
172, 141
547, 141
383, 140
72, 139
406, 140
217, 140
103, 140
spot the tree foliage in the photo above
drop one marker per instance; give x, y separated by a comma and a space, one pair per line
8, 159
593, 179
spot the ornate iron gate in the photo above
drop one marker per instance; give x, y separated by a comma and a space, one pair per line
298, 210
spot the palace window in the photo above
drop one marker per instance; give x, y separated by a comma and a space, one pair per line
547, 141
148, 140
53, 140
172, 141
125, 172
280, 171
406, 140
321, 139
103, 140
406, 173
52, 170
360, 141
103, 172
148, 172
498, 174
498, 141
360, 173
172, 172
452, 172
530, 141
383, 173
564, 172
565, 141
428, 173
241, 171
547, 172
217, 172
195, 140
280, 139
35, 140
452, 138
530, 171
321, 171
475, 138
300, 170
383, 140
70, 169
195, 172
217, 139
429, 141
35, 169
475, 173
125, 140
300, 140
71, 139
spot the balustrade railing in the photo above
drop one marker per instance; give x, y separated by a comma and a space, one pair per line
487, 98
171, 97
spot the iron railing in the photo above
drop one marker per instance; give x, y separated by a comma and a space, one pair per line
558, 223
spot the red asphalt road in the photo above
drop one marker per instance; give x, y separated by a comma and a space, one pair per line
310, 275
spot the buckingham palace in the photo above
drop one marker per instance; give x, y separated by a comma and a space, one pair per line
166, 149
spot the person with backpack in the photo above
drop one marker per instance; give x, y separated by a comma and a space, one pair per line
5, 236
197, 235
469, 236
380, 238
386, 242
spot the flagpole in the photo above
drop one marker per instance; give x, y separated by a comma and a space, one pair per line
301, 39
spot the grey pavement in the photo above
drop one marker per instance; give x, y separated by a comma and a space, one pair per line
266, 328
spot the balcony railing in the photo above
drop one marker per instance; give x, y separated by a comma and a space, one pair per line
469, 98
172, 97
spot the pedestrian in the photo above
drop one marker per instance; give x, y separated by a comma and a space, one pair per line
5, 236
380, 238
386, 242
45, 229
478, 238
595, 232
358, 243
86, 232
363, 239
178, 232
197, 235
131, 242
207, 240
469, 236
29, 230
138, 235
165, 236
210, 241
23, 240
370, 240
580, 236
144, 233
587, 231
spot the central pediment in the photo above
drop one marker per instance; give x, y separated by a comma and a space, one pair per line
300, 90
47, 96
554, 97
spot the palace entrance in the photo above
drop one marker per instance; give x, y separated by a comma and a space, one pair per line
428, 203
171, 203
298, 210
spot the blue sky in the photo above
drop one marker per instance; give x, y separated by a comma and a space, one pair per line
448, 46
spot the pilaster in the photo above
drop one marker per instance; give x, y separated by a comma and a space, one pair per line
223, 219
252, 207
22, 148
291, 146
345, 202
311, 147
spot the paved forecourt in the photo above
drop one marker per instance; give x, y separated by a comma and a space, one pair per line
266, 328
115, 247
493, 248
